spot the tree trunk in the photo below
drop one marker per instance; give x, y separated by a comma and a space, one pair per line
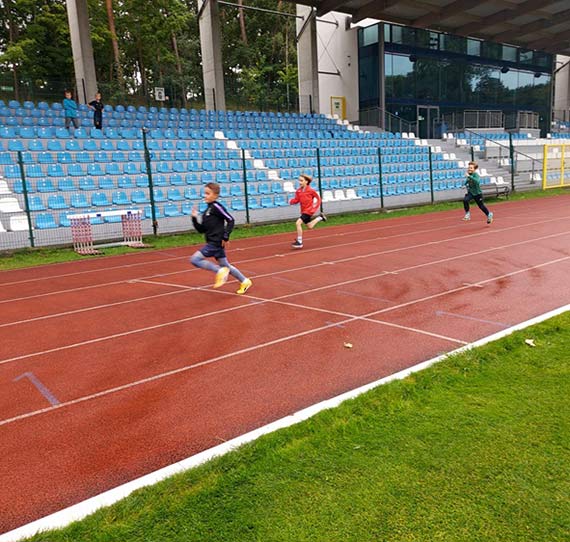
242, 23
115, 43
13, 34
179, 68
142, 70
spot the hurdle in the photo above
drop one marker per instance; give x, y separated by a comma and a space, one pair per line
82, 230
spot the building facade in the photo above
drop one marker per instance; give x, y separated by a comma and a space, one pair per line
433, 78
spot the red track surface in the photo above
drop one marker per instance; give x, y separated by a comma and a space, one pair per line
150, 365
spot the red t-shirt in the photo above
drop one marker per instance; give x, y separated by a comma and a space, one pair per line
308, 198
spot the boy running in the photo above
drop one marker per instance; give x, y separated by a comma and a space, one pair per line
474, 192
217, 224
310, 202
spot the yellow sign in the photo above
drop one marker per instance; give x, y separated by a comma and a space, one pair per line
338, 106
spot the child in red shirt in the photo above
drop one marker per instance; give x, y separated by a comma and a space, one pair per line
310, 202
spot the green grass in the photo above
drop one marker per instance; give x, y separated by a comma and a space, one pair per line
474, 449
32, 257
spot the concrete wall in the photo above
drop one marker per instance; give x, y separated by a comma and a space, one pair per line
562, 87
338, 51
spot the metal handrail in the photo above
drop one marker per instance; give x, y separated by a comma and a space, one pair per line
405, 125
501, 145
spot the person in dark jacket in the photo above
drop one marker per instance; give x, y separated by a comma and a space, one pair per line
97, 106
217, 225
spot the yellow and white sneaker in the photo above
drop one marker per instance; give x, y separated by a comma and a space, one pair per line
221, 276
244, 286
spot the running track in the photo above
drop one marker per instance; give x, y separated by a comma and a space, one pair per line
111, 368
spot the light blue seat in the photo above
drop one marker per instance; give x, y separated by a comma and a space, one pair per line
125, 181
171, 209
36, 203
106, 183
120, 198
45, 221
99, 199
238, 204
86, 183
139, 196
57, 201
191, 193
148, 213
66, 185
174, 194
45, 185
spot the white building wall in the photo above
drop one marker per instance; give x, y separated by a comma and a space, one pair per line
338, 52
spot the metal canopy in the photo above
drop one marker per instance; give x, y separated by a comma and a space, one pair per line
542, 25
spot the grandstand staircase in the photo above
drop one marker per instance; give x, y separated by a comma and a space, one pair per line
492, 167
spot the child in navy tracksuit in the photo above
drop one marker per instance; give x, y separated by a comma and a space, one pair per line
217, 224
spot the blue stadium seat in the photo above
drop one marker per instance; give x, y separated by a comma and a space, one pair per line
139, 196
36, 203
66, 185
174, 194
45, 221
45, 185
120, 198
99, 199
171, 209
57, 201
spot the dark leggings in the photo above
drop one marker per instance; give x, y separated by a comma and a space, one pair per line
478, 200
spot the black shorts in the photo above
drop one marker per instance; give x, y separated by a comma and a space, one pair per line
306, 218
210, 250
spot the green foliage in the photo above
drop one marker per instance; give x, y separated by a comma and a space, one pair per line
159, 46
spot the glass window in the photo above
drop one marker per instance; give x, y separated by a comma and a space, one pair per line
509, 53
525, 56
473, 47
370, 35
454, 44
387, 32
491, 50
396, 34
434, 40
368, 76
399, 76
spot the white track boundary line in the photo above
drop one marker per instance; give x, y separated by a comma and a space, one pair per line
81, 510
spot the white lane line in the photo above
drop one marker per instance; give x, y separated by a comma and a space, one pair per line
303, 292
80, 510
244, 350
289, 270
382, 225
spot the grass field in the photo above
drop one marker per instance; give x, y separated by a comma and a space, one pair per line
476, 448
30, 257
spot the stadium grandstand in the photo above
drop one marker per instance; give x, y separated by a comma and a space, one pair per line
394, 99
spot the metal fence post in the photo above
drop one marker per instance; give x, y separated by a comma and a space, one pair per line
150, 183
26, 199
380, 174
319, 175
512, 154
472, 154
243, 164
431, 174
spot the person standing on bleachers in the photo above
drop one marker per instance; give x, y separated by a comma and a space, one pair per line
70, 110
97, 106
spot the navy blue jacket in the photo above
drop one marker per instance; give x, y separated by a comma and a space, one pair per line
216, 223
